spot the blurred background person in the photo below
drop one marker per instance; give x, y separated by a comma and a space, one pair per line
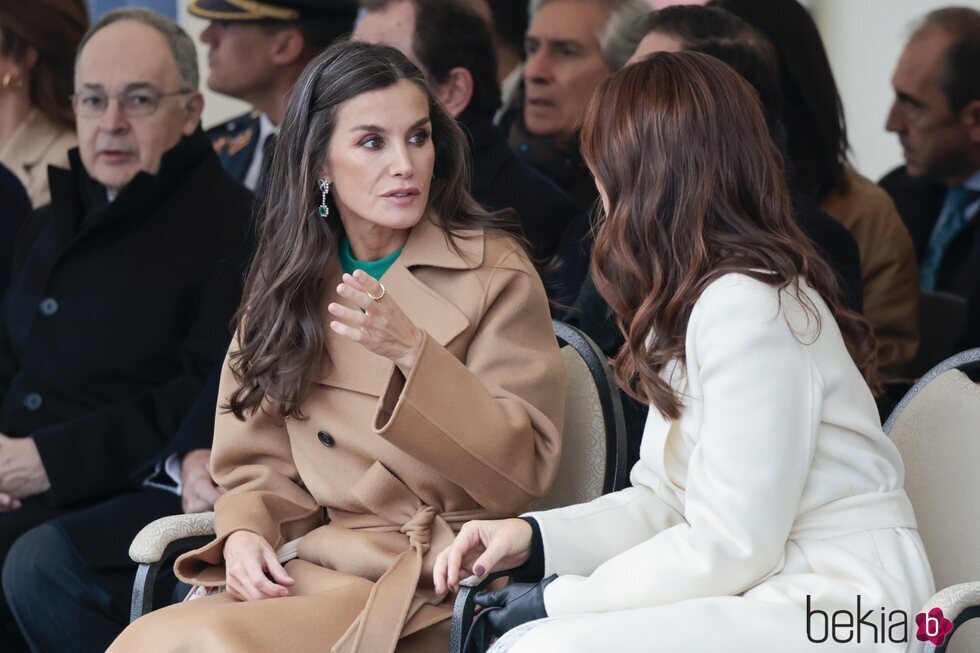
38, 42
451, 43
936, 116
119, 306
257, 51
572, 46
817, 145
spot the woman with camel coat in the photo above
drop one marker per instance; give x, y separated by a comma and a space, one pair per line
434, 397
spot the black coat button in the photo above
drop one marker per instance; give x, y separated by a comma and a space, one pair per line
325, 438
49, 306
32, 401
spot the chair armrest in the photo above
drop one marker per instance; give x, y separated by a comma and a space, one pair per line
150, 543
158, 542
959, 604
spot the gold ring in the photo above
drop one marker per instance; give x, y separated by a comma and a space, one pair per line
378, 298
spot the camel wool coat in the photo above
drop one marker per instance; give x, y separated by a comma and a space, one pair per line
775, 493
384, 470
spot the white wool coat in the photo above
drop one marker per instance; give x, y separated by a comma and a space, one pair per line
776, 484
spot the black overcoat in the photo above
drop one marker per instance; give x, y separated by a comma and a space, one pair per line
116, 313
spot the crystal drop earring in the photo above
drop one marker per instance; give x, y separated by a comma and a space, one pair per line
324, 190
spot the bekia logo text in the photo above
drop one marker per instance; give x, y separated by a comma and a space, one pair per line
874, 626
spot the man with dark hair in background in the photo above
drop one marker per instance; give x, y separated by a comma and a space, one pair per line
257, 52
936, 114
451, 42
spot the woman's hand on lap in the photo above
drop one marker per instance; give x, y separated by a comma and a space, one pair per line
249, 564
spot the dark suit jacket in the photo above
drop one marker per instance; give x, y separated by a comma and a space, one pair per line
15, 208
920, 201
117, 313
551, 220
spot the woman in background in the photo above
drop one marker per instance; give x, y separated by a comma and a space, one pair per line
38, 42
765, 486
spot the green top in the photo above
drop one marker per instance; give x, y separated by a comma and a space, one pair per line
375, 268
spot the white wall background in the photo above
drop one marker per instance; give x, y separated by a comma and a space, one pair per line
863, 39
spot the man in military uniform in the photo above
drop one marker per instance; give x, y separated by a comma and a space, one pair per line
257, 52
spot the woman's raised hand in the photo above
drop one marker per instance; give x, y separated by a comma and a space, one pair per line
481, 547
382, 327
249, 564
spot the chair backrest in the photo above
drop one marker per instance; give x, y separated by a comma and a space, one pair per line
936, 426
593, 454
941, 319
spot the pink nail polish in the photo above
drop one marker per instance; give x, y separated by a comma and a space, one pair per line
479, 570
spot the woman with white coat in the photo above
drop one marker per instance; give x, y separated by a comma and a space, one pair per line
767, 511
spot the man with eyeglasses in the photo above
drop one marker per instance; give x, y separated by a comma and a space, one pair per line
118, 308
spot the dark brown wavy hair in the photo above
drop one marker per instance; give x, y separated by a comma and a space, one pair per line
696, 190
280, 333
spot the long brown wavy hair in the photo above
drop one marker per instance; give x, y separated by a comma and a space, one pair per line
696, 190
280, 333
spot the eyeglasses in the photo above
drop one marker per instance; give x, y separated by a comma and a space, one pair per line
134, 103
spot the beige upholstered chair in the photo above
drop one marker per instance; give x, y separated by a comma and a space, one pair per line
593, 453
593, 457
937, 428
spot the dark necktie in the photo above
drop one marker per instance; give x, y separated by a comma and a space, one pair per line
268, 147
952, 223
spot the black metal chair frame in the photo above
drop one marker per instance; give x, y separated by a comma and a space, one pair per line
966, 362
146, 573
614, 425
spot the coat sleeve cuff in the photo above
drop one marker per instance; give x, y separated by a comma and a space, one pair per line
247, 511
532, 570
420, 415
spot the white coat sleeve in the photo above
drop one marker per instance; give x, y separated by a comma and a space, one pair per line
761, 397
579, 538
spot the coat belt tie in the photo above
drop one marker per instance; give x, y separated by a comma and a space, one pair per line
378, 628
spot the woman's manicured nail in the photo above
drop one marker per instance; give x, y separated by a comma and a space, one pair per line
479, 570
